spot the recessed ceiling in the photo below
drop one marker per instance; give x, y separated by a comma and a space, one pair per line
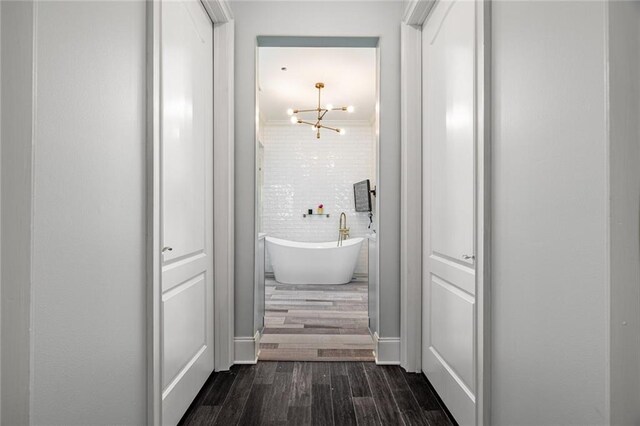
349, 75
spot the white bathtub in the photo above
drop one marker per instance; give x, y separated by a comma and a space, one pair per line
313, 263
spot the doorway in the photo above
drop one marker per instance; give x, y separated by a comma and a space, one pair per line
446, 163
316, 149
187, 335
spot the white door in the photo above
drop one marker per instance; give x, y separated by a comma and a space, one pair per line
186, 204
449, 140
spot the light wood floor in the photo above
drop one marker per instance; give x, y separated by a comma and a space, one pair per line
316, 322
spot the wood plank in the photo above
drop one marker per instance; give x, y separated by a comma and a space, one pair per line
422, 391
202, 416
343, 411
394, 376
410, 410
326, 322
302, 330
219, 388
339, 369
285, 367
321, 410
382, 396
303, 355
302, 384
321, 373
311, 338
366, 411
285, 325
236, 399
277, 404
263, 394
437, 418
299, 416
288, 355
320, 346
266, 373
347, 353
326, 314
252, 413
358, 380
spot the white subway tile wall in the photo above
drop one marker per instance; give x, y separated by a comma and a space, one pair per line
301, 172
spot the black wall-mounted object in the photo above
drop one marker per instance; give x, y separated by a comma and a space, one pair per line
362, 195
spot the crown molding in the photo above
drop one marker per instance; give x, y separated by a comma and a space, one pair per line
218, 10
417, 11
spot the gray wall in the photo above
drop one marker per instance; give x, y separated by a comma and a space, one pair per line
77, 216
318, 19
16, 51
549, 268
624, 169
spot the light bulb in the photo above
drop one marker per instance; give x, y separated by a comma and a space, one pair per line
294, 119
342, 131
329, 107
314, 128
350, 108
289, 111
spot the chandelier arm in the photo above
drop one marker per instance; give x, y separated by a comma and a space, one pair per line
306, 122
323, 114
296, 111
322, 126
319, 104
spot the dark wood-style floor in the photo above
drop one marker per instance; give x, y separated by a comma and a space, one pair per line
316, 393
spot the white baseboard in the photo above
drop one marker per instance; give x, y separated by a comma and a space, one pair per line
387, 350
247, 349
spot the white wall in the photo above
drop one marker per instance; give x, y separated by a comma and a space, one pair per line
624, 169
89, 328
301, 172
550, 189
17, 112
311, 18
77, 222
0, 216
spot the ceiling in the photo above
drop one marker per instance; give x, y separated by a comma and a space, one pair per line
349, 75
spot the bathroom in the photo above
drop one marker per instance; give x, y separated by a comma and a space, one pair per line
316, 286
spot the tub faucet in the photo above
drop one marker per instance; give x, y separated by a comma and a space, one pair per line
343, 231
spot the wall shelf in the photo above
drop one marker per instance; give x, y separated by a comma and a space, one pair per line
314, 214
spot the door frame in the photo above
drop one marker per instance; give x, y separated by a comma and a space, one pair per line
416, 14
223, 195
385, 349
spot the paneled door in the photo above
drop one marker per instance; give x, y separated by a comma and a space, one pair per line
449, 141
186, 192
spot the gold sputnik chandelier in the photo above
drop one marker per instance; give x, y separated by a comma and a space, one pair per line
321, 112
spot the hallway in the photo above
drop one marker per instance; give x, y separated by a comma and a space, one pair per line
318, 393
160, 160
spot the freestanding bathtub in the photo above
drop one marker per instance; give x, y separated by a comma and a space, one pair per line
313, 263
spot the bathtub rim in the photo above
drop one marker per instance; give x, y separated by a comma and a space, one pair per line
315, 246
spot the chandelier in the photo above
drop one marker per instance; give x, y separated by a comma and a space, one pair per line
321, 112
